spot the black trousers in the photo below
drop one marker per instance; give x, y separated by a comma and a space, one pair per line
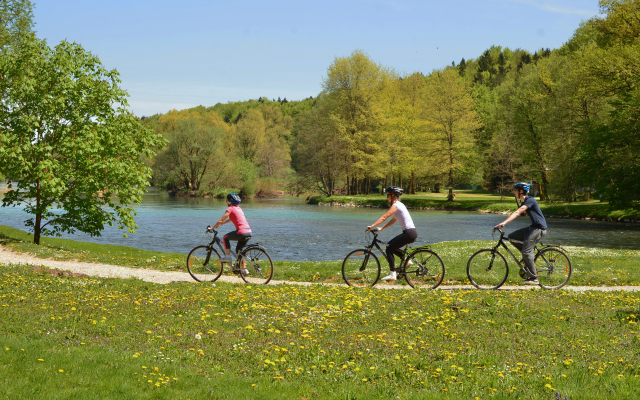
407, 236
242, 239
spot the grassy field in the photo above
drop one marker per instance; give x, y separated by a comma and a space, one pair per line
484, 201
79, 337
591, 266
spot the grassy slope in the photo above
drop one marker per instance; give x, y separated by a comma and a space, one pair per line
73, 337
474, 200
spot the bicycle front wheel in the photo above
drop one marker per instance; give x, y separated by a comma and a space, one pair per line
487, 269
361, 268
204, 264
256, 267
424, 269
554, 268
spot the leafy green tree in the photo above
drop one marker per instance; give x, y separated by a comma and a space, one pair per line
68, 140
196, 153
248, 175
16, 20
250, 135
452, 124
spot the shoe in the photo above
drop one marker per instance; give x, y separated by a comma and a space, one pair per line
531, 281
409, 263
226, 259
244, 271
391, 277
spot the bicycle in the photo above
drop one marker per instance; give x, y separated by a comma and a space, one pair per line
421, 267
253, 264
488, 268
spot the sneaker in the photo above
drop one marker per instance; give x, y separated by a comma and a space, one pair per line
226, 259
391, 277
409, 263
244, 271
531, 281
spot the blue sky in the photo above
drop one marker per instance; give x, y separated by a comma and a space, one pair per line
180, 54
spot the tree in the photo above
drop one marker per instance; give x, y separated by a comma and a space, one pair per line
195, 154
69, 142
16, 20
250, 135
453, 121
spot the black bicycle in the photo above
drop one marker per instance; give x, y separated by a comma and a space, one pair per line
253, 264
421, 267
488, 268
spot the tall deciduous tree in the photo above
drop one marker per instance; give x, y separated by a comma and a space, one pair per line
16, 20
453, 122
68, 140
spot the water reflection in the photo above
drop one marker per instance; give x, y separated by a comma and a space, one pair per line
292, 230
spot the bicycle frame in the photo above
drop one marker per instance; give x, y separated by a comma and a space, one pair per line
375, 243
537, 249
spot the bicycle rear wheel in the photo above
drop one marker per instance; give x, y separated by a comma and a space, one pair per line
361, 268
256, 267
487, 269
424, 269
204, 264
554, 268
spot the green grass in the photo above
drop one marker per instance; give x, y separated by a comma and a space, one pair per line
79, 337
591, 266
483, 201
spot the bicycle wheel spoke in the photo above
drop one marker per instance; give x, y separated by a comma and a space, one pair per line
487, 269
554, 268
424, 269
361, 268
203, 264
256, 267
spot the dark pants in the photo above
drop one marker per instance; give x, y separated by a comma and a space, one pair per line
407, 236
524, 240
242, 239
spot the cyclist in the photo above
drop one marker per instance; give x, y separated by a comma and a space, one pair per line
526, 238
408, 235
243, 231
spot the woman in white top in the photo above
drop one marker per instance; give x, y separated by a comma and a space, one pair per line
409, 233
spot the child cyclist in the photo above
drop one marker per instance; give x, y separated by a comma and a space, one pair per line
243, 231
530, 235
408, 235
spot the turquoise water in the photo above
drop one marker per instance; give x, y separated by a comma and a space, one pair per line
293, 230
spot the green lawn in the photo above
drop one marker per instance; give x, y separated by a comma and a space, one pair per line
80, 337
483, 201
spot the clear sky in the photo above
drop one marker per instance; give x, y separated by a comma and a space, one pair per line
179, 54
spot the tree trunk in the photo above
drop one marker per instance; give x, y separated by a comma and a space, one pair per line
348, 186
36, 226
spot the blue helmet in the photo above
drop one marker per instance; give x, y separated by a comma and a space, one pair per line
234, 199
522, 186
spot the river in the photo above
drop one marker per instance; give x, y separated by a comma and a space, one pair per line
293, 230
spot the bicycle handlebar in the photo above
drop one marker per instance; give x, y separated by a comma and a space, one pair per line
210, 230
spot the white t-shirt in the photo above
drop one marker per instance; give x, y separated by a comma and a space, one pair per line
403, 217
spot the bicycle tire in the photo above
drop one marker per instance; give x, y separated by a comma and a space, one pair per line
258, 266
554, 268
361, 268
427, 269
487, 269
203, 264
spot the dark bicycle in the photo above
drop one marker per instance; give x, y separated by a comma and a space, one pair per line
488, 268
253, 264
421, 267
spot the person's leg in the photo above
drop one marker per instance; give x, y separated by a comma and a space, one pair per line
517, 237
233, 235
533, 236
397, 243
243, 238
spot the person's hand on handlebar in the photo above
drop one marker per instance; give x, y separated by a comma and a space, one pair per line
209, 228
498, 227
370, 228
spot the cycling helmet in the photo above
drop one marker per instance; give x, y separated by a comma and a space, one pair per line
395, 190
522, 186
234, 199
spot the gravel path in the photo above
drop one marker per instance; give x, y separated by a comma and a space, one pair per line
150, 275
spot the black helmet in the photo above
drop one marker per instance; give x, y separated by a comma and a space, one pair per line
522, 186
395, 190
234, 199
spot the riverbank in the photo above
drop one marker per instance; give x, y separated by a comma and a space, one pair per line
486, 203
591, 266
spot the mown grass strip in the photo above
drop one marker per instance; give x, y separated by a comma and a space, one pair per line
82, 337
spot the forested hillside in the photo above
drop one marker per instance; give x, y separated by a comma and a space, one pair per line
565, 118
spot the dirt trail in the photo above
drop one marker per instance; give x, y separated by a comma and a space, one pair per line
150, 275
